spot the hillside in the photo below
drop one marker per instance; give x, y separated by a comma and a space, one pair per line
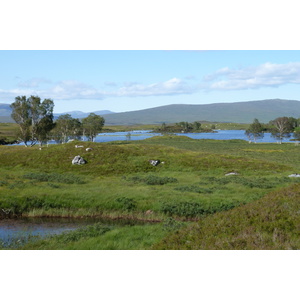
5, 112
238, 112
271, 223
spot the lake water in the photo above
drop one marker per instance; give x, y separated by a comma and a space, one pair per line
145, 134
218, 135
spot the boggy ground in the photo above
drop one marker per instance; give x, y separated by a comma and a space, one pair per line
119, 182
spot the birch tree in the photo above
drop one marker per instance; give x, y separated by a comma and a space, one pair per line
282, 128
92, 125
35, 119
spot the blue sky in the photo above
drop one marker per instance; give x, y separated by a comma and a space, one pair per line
132, 80
37, 57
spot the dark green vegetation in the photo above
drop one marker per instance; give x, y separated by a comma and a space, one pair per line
119, 182
184, 127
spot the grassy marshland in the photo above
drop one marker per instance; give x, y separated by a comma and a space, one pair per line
119, 182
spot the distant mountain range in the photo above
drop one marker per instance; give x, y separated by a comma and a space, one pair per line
79, 114
237, 112
5, 112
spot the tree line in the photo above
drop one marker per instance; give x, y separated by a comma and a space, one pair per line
183, 127
36, 122
280, 128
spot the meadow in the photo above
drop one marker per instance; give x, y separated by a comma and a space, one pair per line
188, 191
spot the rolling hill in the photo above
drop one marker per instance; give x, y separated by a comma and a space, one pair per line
236, 112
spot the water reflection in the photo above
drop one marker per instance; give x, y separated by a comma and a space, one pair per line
145, 134
15, 232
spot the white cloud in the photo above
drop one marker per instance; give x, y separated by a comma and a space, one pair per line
265, 75
72, 90
255, 77
173, 86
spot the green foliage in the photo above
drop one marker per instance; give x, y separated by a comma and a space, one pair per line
127, 204
195, 209
182, 127
66, 128
21, 205
92, 125
35, 118
255, 131
282, 128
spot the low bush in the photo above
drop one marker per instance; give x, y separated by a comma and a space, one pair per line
18, 206
195, 209
126, 203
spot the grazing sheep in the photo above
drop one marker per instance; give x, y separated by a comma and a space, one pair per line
88, 149
77, 146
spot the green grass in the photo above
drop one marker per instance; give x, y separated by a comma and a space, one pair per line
7, 132
119, 182
97, 237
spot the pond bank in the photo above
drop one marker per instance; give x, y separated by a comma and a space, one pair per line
15, 232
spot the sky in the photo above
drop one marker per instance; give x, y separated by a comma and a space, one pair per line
127, 80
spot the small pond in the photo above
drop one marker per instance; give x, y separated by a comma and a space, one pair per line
15, 232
